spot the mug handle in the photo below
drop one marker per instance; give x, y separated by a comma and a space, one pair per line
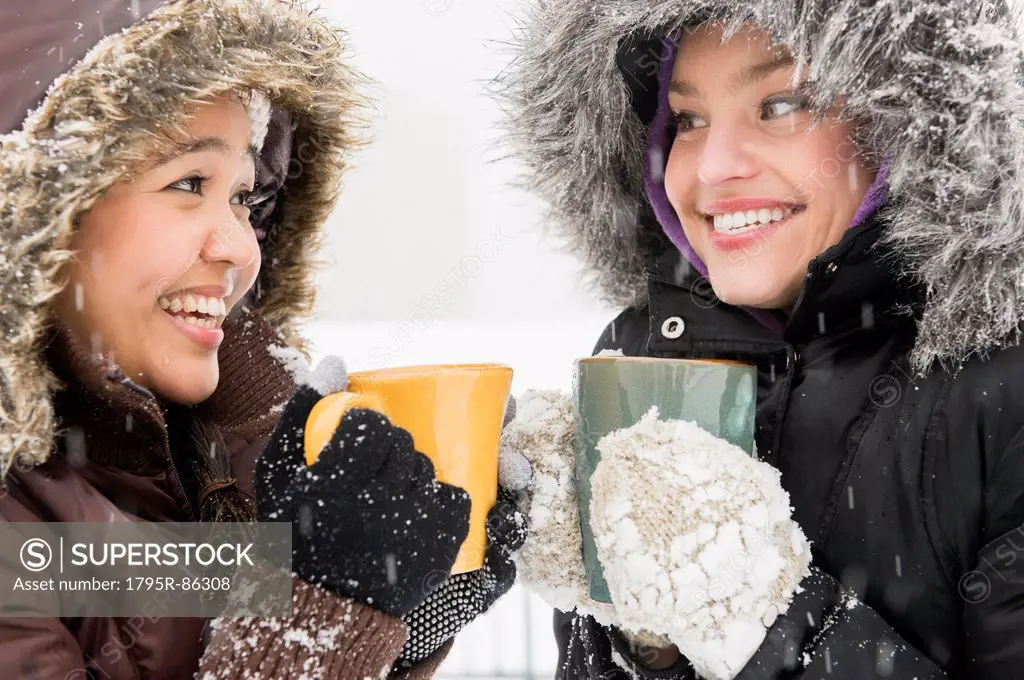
327, 413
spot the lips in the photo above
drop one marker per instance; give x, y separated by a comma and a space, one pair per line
731, 205
749, 237
751, 219
204, 333
197, 313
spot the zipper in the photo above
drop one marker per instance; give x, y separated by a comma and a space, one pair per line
192, 510
115, 374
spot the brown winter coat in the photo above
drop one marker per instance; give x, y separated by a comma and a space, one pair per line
105, 470
78, 440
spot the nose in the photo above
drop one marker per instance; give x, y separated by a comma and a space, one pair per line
230, 240
725, 155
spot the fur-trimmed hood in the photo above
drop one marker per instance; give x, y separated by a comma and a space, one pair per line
98, 121
935, 85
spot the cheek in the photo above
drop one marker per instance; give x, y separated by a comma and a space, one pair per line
828, 163
680, 180
165, 252
839, 183
248, 274
681, 187
115, 252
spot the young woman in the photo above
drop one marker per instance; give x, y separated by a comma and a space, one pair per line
159, 212
829, 191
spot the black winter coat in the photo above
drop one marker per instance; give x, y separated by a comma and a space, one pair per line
911, 491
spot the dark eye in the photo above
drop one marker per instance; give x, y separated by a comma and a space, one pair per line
193, 185
244, 198
683, 122
781, 106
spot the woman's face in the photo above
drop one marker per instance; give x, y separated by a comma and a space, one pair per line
162, 258
759, 191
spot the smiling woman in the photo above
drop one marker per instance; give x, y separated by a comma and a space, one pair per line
171, 249
738, 168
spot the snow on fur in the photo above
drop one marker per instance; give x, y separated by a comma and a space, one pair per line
100, 121
936, 83
259, 109
696, 540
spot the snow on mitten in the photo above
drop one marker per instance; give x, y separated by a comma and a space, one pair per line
370, 521
550, 563
696, 539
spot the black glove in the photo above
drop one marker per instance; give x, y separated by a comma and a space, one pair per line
464, 597
369, 519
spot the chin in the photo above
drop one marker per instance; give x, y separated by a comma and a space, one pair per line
187, 388
749, 291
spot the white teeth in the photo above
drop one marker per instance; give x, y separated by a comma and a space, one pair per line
752, 219
212, 306
203, 322
215, 307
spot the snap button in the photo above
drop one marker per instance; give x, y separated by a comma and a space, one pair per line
832, 268
673, 327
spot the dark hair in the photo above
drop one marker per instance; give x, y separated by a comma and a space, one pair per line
201, 457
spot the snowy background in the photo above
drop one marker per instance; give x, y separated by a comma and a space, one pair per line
434, 258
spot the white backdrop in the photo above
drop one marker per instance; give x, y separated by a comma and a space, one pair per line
427, 203
435, 258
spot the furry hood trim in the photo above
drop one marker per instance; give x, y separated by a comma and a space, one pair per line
111, 110
935, 86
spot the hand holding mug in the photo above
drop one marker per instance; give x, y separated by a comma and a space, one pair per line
369, 519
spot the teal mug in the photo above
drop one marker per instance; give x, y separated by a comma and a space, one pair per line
614, 392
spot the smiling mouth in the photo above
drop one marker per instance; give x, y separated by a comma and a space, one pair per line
195, 310
741, 222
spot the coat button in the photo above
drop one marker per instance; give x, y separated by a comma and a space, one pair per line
673, 327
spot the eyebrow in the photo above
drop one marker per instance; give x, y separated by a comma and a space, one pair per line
745, 78
200, 144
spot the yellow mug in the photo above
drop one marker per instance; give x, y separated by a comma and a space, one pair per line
454, 414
